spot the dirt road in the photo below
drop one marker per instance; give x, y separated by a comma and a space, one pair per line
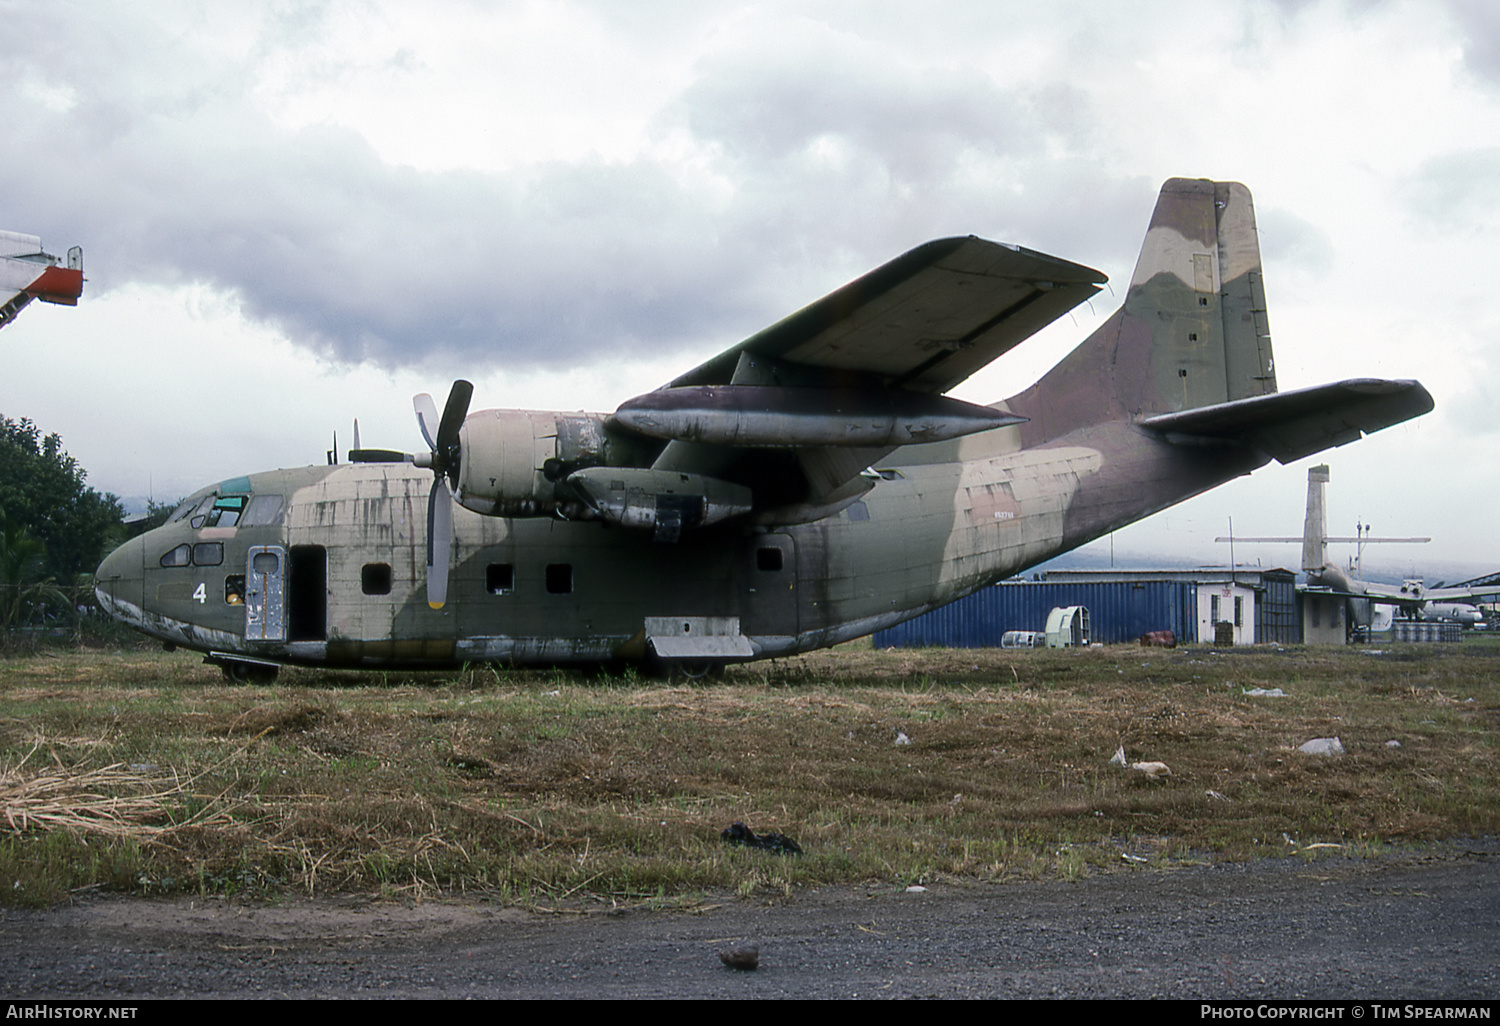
1416, 924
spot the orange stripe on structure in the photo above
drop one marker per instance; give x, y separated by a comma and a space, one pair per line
58, 285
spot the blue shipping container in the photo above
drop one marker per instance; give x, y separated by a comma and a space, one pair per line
1119, 611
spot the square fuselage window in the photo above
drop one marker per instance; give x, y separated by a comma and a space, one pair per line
500, 578
559, 578
375, 578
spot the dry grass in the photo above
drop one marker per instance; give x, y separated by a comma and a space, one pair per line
113, 801
145, 772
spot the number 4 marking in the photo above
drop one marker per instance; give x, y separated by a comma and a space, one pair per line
201, 594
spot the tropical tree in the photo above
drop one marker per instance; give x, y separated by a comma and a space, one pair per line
42, 493
25, 587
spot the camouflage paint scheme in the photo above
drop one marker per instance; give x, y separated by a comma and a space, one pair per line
1173, 395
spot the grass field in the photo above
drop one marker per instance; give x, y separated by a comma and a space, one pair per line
145, 773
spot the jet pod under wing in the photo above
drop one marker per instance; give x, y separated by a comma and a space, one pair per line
770, 416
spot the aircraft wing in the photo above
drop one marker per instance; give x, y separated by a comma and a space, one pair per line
1392, 595
796, 412
1458, 594
1334, 581
1290, 425
923, 322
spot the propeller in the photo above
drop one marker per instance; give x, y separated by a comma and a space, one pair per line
445, 458
358, 454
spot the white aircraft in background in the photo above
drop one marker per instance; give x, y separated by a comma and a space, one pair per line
27, 273
1412, 599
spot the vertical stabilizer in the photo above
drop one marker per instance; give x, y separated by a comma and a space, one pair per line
1192, 333
1315, 526
1197, 286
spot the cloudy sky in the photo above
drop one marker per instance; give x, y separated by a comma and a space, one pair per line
296, 214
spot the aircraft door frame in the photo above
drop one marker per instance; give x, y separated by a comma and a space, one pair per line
265, 593
770, 593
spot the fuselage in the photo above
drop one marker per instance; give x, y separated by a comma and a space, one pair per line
733, 514
325, 564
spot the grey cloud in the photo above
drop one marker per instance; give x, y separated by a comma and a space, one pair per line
842, 144
1479, 21
780, 106
175, 176
1292, 243
1457, 192
368, 261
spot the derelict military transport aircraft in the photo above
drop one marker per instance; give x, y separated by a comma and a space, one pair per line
808, 486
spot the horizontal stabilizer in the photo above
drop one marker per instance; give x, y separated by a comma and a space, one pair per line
1290, 425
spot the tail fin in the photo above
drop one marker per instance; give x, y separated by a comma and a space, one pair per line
1193, 330
1315, 526
1197, 288
1189, 354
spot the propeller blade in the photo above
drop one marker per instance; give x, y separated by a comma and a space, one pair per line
427, 418
439, 541
454, 413
442, 438
378, 456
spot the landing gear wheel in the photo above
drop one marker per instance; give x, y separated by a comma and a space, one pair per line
248, 673
685, 672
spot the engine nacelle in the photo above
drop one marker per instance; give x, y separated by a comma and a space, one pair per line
665, 502
513, 459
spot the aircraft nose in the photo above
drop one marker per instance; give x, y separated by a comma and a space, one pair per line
120, 579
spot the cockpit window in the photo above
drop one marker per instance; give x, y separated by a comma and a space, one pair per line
183, 509
226, 511
201, 511
263, 509
182, 555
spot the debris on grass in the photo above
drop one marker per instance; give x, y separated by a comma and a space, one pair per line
1153, 770
739, 834
1322, 746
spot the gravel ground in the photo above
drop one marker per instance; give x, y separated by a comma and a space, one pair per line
1413, 924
